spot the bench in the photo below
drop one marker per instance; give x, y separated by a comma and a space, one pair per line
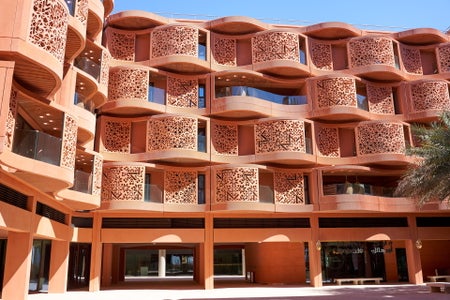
438, 277
377, 280
437, 287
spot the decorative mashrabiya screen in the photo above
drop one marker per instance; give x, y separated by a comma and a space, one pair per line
269, 46
238, 184
128, 84
224, 138
380, 99
280, 135
182, 92
289, 187
380, 137
124, 183
174, 40
224, 51
430, 95
321, 55
48, 29
172, 132
121, 45
371, 51
328, 142
180, 187
336, 91
411, 59
117, 137
444, 57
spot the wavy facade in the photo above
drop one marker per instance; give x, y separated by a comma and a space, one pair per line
140, 146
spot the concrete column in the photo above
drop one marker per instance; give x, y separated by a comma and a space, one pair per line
413, 253
315, 262
244, 269
18, 266
107, 264
162, 263
96, 254
207, 254
59, 266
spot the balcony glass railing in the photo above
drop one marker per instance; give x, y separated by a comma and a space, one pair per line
71, 5
202, 51
201, 143
89, 66
261, 94
37, 145
362, 102
82, 182
156, 95
266, 194
358, 188
80, 101
153, 193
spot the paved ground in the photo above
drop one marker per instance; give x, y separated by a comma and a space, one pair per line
188, 291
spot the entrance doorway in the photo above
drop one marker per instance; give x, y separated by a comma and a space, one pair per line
402, 266
40, 266
79, 265
352, 260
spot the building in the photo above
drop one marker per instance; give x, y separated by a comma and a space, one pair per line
136, 145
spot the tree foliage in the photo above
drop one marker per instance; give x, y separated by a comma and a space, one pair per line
430, 179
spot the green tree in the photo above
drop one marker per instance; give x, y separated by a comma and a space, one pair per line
430, 179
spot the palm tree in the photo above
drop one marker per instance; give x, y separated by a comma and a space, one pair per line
430, 178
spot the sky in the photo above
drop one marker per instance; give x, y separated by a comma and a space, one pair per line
390, 15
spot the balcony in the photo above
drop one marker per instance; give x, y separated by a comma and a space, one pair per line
280, 53
361, 188
180, 49
375, 57
37, 145
246, 91
89, 66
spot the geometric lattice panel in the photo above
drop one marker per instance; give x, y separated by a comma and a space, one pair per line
371, 51
180, 187
289, 187
173, 132
117, 137
336, 91
238, 184
380, 137
123, 183
275, 45
280, 135
427, 95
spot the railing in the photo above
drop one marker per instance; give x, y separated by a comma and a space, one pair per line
261, 94
82, 182
71, 5
153, 193
89, 66
266, 194
37, 145
79, 100
156, 95
357, 188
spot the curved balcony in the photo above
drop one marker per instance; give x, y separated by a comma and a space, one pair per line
282, 141
95, 17
85, 191
93, 73
280, 53
180, 49
134, 19
136, 186
83, 109
168, 138
236, 25
332, 30
76, 32
253, 188
339, 98
350, 188
108, 6
375, 57
42, 157
265, 98
421, 36
428, 99
383, 142
36, 42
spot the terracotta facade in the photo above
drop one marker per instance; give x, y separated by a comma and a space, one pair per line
191, 140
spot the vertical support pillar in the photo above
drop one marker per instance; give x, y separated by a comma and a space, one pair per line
16, 278
413, 253
315, 264
107, 264
162, 263
59, 266
96, 254
207, 254
244, 269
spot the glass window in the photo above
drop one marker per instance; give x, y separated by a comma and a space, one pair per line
201, 96
201, 188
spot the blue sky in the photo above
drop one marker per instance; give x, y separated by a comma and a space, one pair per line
392, 15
